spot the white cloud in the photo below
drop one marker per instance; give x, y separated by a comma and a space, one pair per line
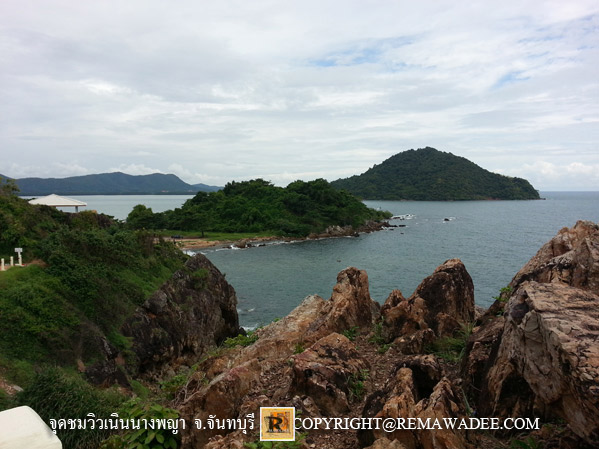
231, 90
549, 176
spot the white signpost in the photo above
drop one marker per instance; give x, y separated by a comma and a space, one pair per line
19, 251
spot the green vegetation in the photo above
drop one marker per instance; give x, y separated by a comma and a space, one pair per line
84, 275
211, 236
54, 394
452, 348
377, 337
169, 387
144, 438
257, 206
504, 294
91, 280
299, 348
356, 386
351, 333
241, 340
430, 175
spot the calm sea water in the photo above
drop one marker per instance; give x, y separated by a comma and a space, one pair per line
119, 206
494, 239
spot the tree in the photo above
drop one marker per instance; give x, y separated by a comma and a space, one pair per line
141, 217
8, 187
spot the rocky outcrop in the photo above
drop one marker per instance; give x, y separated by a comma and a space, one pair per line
571, 258
350, 304
441, 303
550, 348
191, 313
329, 371
243, 374
534, 354
418, 389
350, 231
541, 357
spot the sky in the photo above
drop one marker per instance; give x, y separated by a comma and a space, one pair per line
215, 91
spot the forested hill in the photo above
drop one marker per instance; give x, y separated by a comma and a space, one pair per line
299, 209
110, 184
427, 174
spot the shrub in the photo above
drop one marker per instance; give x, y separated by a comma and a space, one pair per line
54, 394
144, 438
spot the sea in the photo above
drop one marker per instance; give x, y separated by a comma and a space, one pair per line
494, 239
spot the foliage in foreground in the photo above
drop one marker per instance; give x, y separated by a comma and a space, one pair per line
54, 394
144, 438
451, 348
89, 273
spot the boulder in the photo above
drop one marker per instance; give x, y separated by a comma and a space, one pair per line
535, 352
350, 304
571, 258
331, 372
549, 350
449, 291
191, 313
442, 302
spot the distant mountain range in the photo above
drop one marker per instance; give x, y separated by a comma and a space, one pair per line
110, 184
427, 174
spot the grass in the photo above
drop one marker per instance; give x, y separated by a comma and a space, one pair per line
241, 340
57, 394
15, 274
351, 333
299, 348
504, 294
452, 348
356, 386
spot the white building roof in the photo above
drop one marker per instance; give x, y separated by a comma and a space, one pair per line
57, 201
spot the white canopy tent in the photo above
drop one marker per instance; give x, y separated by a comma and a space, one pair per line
58, 201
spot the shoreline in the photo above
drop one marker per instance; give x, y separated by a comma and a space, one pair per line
199, 243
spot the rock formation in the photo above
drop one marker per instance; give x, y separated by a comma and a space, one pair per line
440, 305
304, 361
191, 313
541, 358
326, 372
533, 354
266, 364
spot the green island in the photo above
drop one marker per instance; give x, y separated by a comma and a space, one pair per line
427, 174
257, 206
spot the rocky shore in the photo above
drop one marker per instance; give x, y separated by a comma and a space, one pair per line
533, 354
330, 232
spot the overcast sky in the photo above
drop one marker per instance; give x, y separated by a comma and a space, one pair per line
215, 91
